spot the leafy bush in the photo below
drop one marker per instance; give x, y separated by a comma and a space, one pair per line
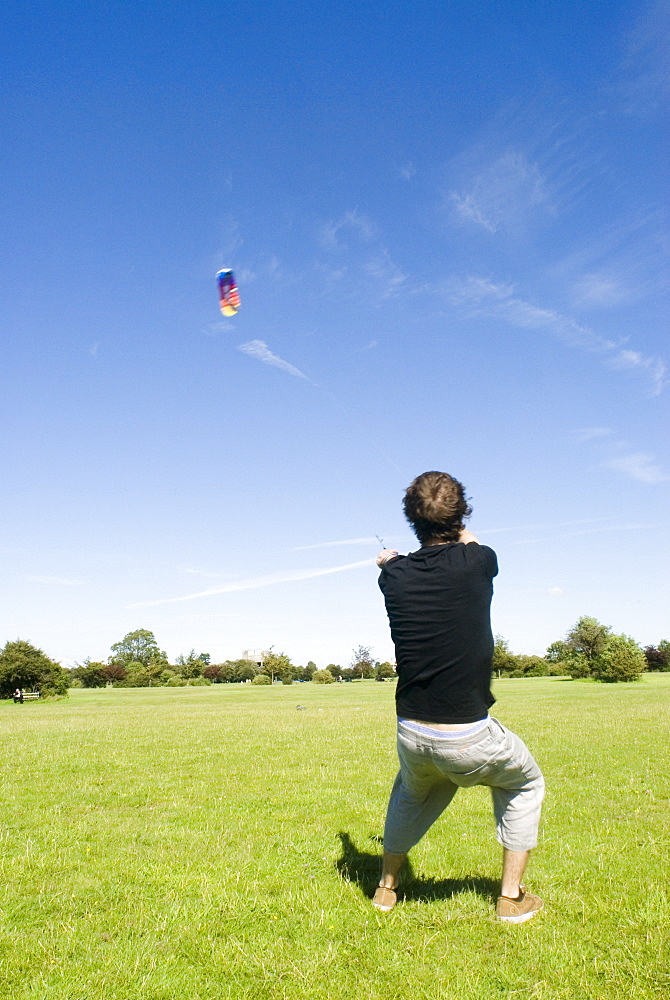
323, 677
25, 666
577, 666
529, 666
621, 660
261, 679
176, 682
199, 682
216, 673
90, 674
658, 657
287, 679
503, 658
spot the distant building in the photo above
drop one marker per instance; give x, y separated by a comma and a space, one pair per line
256, 656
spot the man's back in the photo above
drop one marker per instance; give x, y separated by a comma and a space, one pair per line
438, 602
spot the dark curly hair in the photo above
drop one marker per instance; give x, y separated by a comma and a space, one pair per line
435, 505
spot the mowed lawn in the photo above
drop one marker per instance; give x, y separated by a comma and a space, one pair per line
221, 842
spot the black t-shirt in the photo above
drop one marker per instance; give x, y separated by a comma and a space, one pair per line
438, 600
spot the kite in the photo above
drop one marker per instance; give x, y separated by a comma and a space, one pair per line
229, 297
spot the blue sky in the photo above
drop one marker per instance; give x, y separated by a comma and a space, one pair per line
446, 222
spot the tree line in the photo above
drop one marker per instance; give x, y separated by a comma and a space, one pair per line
589, 650
137, 661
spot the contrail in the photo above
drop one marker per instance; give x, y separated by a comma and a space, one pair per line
254, 582
259, 349
370, 540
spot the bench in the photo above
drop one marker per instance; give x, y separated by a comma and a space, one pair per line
28, 696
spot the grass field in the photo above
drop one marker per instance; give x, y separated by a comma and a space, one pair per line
219, 843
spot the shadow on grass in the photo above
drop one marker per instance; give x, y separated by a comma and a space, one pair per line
364, 868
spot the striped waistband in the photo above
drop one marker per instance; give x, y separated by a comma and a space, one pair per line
443, 734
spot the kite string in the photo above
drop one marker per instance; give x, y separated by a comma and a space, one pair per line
358, 426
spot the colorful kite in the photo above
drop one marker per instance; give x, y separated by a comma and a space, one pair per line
229, 297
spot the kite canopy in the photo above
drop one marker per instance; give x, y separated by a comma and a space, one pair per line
229, 297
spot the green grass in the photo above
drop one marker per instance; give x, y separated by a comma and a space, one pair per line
218, 843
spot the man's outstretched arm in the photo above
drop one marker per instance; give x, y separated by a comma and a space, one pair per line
385, 555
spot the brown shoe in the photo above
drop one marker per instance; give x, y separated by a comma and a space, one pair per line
516, 911
385, 899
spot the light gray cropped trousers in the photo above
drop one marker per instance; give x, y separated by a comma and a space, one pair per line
433, 766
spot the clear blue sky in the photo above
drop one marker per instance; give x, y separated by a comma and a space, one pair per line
446, 221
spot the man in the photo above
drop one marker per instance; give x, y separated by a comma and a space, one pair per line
438, 602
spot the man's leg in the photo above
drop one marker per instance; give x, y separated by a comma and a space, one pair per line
517, 801
391, 866
420, 794
514, 865
385, 897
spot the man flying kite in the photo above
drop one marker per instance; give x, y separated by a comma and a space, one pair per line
438, 602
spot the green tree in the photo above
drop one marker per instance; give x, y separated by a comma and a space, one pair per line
588, 637
276, 665
335, 669
192, 665
384, 669
243, 670
139, 646
90, 674
503, 658
582, 645
361, 662
261, 679
323, 677
139, 675
558, 652
620, 660
23, 665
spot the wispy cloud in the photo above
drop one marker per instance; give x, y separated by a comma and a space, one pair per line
556, 592
201, 572
369, 540
220, 326
588, 531
57, 581
254, 583
598, 289
643, 83
502, 194
591, 433
357, 256
552, 527
354, 223
259, 349
386, 272
638, 465
483, 297
93, 349
407, 171
627, 360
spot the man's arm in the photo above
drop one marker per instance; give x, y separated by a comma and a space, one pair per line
466, 537
385, 555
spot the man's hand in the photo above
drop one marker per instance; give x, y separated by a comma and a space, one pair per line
385, 555
466, 537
